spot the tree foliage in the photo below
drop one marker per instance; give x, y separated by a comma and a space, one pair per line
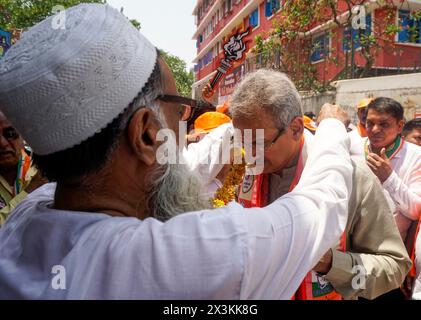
23, 14
291, 36
183, 77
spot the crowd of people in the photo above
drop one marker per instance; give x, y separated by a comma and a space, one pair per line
333, 215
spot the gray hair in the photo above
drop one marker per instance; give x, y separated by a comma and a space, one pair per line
270, 91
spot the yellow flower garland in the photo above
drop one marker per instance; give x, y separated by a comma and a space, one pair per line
226, 193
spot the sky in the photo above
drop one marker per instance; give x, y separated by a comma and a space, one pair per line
168, 24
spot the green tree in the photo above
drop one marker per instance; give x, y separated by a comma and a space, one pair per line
292, 38
22, 14
183, 77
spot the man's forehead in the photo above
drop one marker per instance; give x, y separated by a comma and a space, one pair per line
416, 132
257, 120
380, 116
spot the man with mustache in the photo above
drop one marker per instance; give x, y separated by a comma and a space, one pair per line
371, 246
119, 223
397, 164
18, 176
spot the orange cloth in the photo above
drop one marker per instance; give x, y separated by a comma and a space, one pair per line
361, 130
223, 108
412, 272
209, 121
309, 123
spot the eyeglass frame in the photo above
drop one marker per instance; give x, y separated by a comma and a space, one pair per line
266, 148
194, 104
281, 132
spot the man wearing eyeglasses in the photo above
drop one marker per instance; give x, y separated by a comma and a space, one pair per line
370, 249
118, 223
18, 176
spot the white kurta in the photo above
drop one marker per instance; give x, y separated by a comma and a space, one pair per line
228, 253
403, 190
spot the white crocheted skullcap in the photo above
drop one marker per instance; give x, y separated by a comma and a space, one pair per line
59, 87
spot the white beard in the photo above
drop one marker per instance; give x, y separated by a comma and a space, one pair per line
176, 190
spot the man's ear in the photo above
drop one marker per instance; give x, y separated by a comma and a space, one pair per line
297, 127
401, 124
142, 131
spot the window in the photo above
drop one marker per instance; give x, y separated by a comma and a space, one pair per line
320, 48
346, 42
229, 5
271, 7
410, 28
254, 18
208, 58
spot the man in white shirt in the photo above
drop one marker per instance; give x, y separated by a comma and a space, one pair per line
396, 163
112, 227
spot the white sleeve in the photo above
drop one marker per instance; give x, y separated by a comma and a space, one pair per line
287, 238
357, 144
205, 156
237, 253
406, 196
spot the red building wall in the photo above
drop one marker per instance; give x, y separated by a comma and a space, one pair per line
407, 56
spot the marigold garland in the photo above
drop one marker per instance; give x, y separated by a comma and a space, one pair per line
226, 193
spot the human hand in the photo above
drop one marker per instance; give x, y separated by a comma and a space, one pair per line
380, 165
333, 111
325, 263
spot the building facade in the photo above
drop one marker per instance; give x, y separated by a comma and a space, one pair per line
217, 19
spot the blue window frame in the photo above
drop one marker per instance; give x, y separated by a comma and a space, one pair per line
271, 7
346, 43
208, 58
254, 18
320, 48
410, 28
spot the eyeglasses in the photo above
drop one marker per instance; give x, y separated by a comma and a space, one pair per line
269, 144
10, 134
187, 106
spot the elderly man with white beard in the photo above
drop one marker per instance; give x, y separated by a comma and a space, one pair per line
90, 99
